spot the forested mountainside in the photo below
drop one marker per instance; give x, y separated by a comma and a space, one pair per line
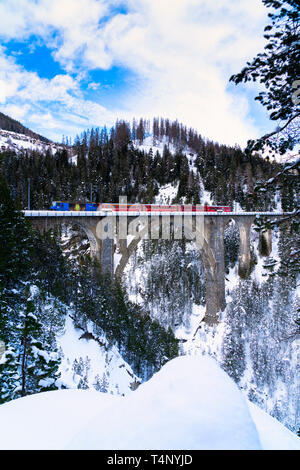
115, 163
9, 124
156, 313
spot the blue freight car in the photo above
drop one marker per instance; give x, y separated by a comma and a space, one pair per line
73, 206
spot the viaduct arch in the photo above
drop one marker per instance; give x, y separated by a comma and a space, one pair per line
210, 234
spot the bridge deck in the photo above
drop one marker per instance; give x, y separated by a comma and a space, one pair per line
45, 213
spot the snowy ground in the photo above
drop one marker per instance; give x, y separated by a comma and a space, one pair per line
87, 364
176, 409
16, 141
158, 146
166, 194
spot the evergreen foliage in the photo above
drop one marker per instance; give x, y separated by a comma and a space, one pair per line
278, 69
144, 343
111, 163
30, 362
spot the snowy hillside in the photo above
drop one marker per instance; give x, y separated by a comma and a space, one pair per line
15, 141
176, 409
158, 145
88, 360
89, 363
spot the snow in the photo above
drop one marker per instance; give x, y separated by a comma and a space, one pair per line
2, 349
166, 194
207, 198
160, 144
97, 362
158, 147
197, 315
191, 403
273, 435
117, 259
16, 141
48, 420
74, 159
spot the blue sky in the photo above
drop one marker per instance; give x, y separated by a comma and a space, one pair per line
69, 65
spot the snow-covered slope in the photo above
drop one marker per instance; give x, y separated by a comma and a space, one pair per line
159, 145
190, 404
88, 362
15, 141
166, 194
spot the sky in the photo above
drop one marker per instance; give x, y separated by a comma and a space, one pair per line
70, 65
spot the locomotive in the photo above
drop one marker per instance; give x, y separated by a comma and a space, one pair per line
135, 207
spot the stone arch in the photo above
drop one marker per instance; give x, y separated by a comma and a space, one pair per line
51, 223
207, 254
215, 290
93, 241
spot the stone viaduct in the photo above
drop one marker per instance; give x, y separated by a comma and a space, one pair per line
121, 232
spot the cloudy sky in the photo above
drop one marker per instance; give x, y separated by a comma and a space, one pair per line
69, 65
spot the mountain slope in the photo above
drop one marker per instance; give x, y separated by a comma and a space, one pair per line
9, 124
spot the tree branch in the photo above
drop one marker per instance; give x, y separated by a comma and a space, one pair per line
267, 136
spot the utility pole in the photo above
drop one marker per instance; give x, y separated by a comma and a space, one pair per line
28, 195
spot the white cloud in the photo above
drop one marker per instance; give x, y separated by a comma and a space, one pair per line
185, 61
93, 86
53, 107
17, 112
183, 53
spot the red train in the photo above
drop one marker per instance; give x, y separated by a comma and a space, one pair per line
116, 207
161, 208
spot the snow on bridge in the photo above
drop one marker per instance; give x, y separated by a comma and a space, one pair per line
48, 213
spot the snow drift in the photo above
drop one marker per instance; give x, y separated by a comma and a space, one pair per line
191, 403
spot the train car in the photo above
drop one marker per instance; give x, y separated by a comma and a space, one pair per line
73, 206
111, 207
136, 207
217, 208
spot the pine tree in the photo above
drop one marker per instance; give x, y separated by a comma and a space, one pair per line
278, 68
10, 383
39, 364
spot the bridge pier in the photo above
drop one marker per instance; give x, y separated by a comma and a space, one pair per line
244, 225
107, 257
265, 242
214, 268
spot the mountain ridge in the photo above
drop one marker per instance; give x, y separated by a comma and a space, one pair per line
9, 124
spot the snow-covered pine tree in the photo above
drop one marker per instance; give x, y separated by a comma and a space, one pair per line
39, 363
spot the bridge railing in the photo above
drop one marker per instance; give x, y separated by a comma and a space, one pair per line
45, 213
